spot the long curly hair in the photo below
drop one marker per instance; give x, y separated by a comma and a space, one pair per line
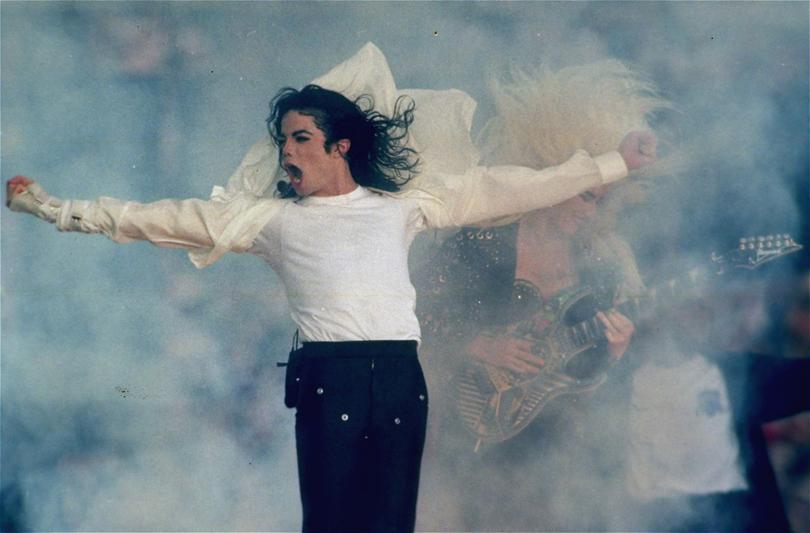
379, 156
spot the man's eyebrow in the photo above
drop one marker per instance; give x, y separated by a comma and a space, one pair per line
296, 132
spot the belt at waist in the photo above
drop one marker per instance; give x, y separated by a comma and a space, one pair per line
367, 349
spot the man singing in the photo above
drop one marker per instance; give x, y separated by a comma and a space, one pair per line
340, 247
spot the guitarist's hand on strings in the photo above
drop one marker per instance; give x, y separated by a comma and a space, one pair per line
618, 332
507, 352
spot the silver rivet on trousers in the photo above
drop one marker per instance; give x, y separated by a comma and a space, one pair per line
344, 417
397, 421
422, 397
319, 390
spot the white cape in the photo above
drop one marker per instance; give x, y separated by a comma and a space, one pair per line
440, 134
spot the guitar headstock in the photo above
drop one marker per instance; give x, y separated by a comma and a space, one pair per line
753, 252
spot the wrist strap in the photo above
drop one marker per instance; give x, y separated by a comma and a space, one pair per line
63, 220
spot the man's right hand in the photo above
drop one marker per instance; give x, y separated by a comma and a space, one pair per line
506, 352
24, 195
14, 186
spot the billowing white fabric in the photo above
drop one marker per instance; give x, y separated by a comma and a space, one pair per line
451, 189
440, 134
210, 228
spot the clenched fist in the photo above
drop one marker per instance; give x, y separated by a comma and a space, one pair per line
26, 196
638, 149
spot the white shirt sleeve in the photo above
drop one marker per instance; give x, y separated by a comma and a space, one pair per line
206, 228
487, 193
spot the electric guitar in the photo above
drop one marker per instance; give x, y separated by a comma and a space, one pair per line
496, 403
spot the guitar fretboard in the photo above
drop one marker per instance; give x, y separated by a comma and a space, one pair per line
637, 309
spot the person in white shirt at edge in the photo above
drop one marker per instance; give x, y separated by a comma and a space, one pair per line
340, 247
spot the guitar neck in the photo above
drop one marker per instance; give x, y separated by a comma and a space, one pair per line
642, 306
751, 253
636, 309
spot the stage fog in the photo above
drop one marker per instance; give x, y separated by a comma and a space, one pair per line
142, 394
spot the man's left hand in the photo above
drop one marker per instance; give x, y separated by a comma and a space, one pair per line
638, 149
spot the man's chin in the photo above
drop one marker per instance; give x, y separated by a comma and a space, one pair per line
300, 189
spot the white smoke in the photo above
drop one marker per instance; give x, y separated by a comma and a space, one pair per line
139, 394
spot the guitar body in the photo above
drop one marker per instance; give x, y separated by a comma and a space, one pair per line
496, 403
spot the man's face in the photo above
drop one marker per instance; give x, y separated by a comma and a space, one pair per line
312, 168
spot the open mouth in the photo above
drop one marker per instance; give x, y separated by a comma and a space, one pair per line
294, 173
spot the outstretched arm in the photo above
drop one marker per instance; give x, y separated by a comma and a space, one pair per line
190, 224
487, 193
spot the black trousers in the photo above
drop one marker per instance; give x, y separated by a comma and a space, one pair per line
360, 430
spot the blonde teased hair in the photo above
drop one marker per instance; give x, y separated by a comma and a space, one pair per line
544, 116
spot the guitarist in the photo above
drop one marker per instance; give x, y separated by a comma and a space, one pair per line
492, 290
527, 270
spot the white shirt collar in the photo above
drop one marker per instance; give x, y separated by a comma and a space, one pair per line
340, 199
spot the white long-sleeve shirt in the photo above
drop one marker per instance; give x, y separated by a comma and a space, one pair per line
343, 259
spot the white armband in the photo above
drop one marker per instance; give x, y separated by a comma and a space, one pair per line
70, 216
611, 166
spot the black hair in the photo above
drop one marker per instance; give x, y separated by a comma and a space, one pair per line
378, 156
